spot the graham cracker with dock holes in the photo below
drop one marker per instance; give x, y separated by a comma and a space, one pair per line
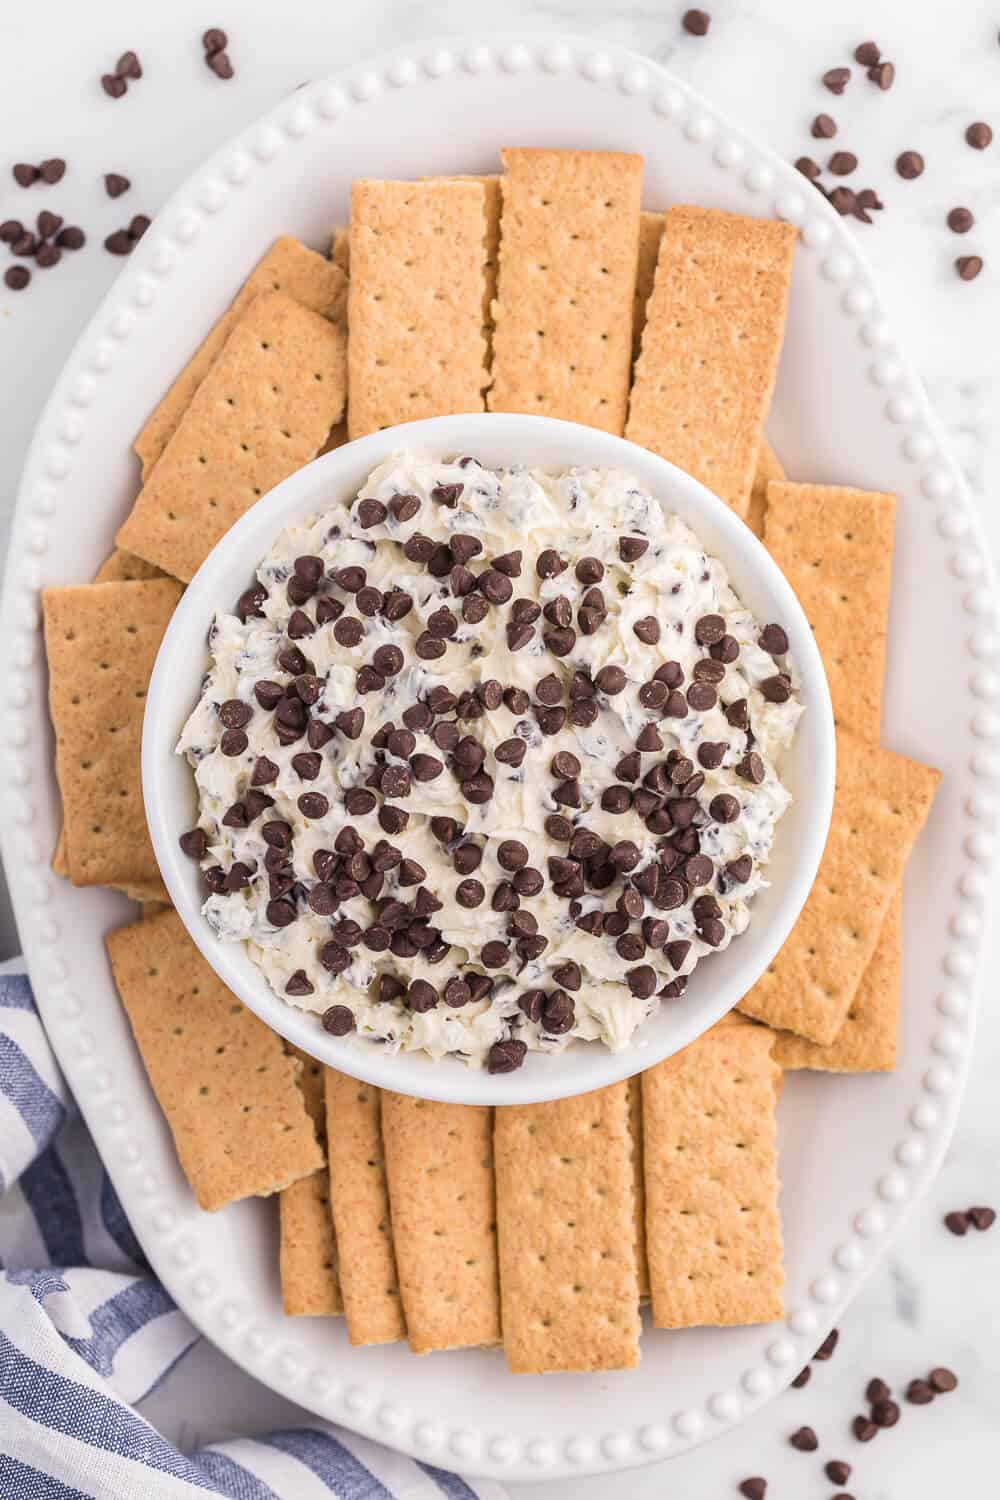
310, 1285
638, 1183
710, 347
287, 267
713, 1232
122, 567
768, 468
418, 268
650, 235
569, 247
359, 1197
263, 410
569, 1287
439, 1162
101, 641
866, 1043
880, 805
835, 548
222, 1078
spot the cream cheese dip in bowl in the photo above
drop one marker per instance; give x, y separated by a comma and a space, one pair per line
489, 759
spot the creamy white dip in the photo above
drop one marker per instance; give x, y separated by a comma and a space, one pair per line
691, 758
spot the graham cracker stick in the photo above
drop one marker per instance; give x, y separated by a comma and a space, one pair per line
713, 1232
881, 803
569, 1287
650, 235
768, 468
220, 1075
287, 267
710, 347
835, 548
101, 641
263, 410
638, 1183
122, 567
866, 1043
340, 250
569, 247
418, 257
310, 1285
439, 1163
359, 1197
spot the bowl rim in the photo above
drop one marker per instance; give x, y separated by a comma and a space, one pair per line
449, 1079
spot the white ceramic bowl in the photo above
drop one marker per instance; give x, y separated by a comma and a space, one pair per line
496, 439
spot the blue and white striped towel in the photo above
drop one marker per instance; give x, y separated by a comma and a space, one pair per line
86, 1331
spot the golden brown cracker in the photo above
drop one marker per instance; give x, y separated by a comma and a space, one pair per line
713, 1231
768, 468
359, 1196
122, 567
310, 1284
439, 1163
880, 805
263, 410
866, 1043
340, 250
569, 246
417, 347
569, 1286
835, 548
638, 1183
101, 641
650, 235
287, 267
221, 1076
710, 347
152, 909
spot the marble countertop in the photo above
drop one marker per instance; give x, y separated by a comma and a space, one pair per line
937, 1298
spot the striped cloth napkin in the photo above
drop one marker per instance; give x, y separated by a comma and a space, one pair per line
86, 1331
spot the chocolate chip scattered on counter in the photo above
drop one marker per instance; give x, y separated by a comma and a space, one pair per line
696, 22
876, 1390
219, 63
864, 1429
843, 200
823, 127
113, 86
805, 1440
17, 278
909, 164
128, 66
829, 1344
837, 79
885, 1413
115, 184
919, 1392
754, 1489
214, 39
969, 266
979, 135
837, 1471
960, 220
883, 74
942, 1379
119, 242
866, 200
47, 255
867, 54
808, 167
25, 174
982, 1217
803, 1377
957, 1222
52, 170
842, 163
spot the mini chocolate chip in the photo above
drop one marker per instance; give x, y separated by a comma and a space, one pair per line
829, 1344
112, 85
339, 1019
313, 805
981, 1217
519, 636
307, 764
843, 200
506, 1057
809, 168
641, 981
702, 696
942, 1379
919, 1393
823, 127
509, 563
909, 164
447, 494
969, 266
647, 629
709, 629
495, 586
138, 225
549, 564
751, 768
10, 230
960, 220
979, 135
553, 720
727, 650
610, 680
774, 640
711, 754
494, 954
280, 913
194, 843
589, 570
470, 893
837, 1471
512, 855
776, 689
404, 507
802, 1378
864, 1429
805, 1440
709, 670
233, 742
842, 163
25, 174
738, 714
885, 1413
561, 829
696, 22
234, 713
558, 1012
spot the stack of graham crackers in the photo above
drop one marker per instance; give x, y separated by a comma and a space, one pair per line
547, 290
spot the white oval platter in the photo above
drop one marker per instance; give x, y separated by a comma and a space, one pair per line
855, 1152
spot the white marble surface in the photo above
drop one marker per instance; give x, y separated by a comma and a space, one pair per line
937, 1300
